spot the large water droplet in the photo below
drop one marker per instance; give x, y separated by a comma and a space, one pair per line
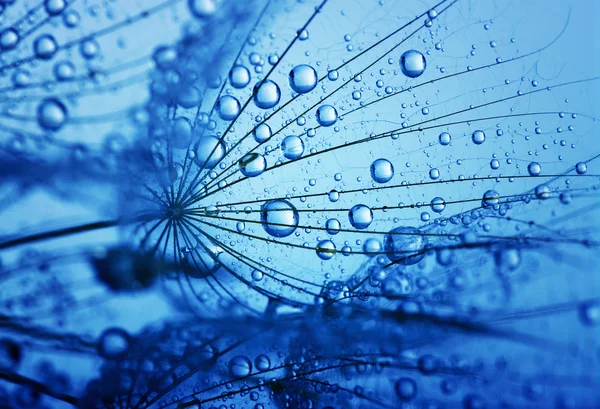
51, 114
326, 115
360, 216
9, 39
382, 170
325, 249
228, 107
478, 137
45, 47
267, 96
303, 78
292, 147
252, 164
239, 76
405, 245
113, 343
203, 8
279, 218
262, 133
412, 63
203, 149
239, 366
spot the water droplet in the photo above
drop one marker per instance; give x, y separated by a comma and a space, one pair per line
45, 47
268, 95
332, 226
382, 170
360, 216
203, 8
438, 204
203, 149
325, 249
262, 133
478, 137
113, 343
292, 147
406, 388
534, 169
51, 114
228, 107
54, 7
239, 366
326, 115
9, 39
412, 63
490, 198
252, 164
239, 76
262, 362
279, 218
445, 138
405, 245
581, 168
303, 78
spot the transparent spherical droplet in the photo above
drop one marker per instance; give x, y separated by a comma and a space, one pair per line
382, 170
279, 218
581, 168
542, 192
360, 216
438, 204
239, 366
51, 114
164, 57
478, 137
412, 63
445, 138
45, 46
508, 259
209, 150
267, 95
406, 388
181, 133
9, 39
534, 169
252, 164
54, 7
64, 70
71, 18
113, 343
262, 362
239, 76
303, 78
292, 147
228, 107
89, 49
332, 226
262, 133
325, 249
490, 198
203, 8
326, 115
372, 246
405, 245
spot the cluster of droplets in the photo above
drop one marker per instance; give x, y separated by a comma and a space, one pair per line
345, 191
